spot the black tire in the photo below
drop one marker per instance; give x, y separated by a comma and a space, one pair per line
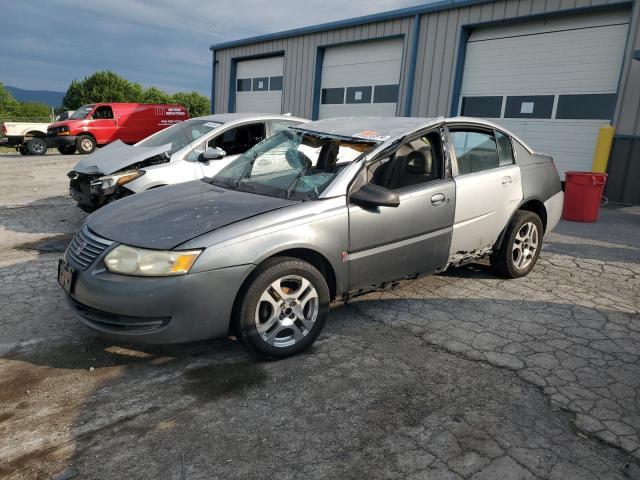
511, 254
245, 323
36, 146
67, 149
23, 150
85, 144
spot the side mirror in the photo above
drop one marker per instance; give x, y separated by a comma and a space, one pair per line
213, 154
372, 195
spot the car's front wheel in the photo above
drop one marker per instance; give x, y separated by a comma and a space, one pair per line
283, 309
85, 144
520, 247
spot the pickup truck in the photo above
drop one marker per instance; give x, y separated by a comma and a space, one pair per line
27, 138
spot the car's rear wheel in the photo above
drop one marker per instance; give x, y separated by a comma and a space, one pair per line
283, 308
67, 149
520, 247
85, 144
36, 146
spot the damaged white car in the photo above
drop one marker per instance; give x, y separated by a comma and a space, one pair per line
190, 150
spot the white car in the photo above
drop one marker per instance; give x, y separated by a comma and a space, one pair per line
28, 138
196, 148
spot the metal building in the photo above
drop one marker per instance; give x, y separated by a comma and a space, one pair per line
553, 71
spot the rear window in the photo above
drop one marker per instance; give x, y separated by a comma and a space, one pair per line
180, 135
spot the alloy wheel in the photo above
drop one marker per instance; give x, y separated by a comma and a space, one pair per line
287, 311
38, 147
525, 245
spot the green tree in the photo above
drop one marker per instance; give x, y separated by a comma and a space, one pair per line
8, 104
197, 104
32, 110
101, 87
109, 87
155, 95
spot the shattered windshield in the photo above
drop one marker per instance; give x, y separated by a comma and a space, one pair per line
180, 135
291, 164
82, 112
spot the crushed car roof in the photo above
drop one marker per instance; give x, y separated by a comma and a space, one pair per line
377, 129
235, 117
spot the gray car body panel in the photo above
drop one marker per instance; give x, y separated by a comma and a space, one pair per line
237, 231
116, 156
540, 180
164, 218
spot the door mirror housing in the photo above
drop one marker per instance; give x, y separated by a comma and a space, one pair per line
213, 154
371, 196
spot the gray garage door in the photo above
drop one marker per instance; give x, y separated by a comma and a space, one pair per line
259, 85
361, 79
552, 81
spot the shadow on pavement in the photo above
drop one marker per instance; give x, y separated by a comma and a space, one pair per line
373, 399
52, 215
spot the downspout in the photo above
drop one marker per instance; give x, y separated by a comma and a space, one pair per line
213, 81
413, 61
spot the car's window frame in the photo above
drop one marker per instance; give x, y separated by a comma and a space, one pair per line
105, 107
446, 173
485, 129
236, 125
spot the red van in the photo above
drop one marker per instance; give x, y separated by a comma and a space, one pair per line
98, 124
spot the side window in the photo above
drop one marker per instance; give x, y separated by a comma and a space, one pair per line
240, 139
505, 149
416, 162
103, 113
475, 151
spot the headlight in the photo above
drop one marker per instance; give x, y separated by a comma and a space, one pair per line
152, 263
118, 178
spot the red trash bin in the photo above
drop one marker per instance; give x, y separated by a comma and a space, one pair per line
582, 194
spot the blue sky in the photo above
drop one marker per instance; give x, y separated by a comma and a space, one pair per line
46, 44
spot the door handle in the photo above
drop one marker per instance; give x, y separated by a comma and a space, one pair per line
506, 180
438, 199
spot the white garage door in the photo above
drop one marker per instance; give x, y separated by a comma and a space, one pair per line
553, 82
259, 85
361, 79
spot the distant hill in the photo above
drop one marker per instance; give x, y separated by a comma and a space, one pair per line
53, 99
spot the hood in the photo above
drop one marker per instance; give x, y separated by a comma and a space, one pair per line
116, 156
166, 217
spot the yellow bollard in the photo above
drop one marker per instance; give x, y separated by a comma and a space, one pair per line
603, 148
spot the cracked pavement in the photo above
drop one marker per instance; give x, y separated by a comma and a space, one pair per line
459, 375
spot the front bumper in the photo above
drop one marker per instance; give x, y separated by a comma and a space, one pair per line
91, 197
61, 141
158, 310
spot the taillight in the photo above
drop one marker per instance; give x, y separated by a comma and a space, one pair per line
4, 129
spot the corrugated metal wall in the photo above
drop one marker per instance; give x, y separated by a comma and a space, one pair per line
439, 39
300, 61
627, 118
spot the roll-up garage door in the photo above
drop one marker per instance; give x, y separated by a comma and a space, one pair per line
259, 85
553, 81
361, 79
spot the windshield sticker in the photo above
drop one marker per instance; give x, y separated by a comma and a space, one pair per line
369, 135
212, 124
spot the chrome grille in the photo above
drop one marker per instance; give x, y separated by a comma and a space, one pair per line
86, 246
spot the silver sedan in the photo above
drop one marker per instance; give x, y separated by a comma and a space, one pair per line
320, 211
